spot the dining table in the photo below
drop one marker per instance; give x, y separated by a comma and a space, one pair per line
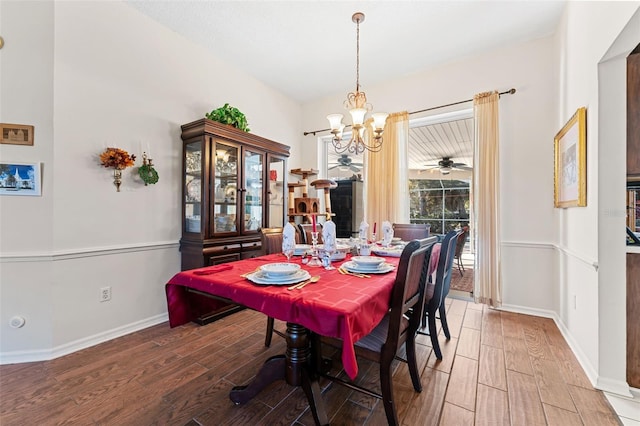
339, 305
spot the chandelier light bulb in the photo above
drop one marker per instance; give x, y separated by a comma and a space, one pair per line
379, 119
357, 116
335, 121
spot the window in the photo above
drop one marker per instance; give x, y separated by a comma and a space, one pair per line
443, 204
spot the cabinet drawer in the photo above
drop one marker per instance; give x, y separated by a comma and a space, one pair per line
253, 245
221, 250
225, 258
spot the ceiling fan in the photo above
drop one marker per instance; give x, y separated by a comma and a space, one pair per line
346, 163
446, 165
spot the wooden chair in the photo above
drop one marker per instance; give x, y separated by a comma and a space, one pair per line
411, 231
462, 240
397, 328
271, 239
436, 293
305, 232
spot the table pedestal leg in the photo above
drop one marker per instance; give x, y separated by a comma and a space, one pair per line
295, 367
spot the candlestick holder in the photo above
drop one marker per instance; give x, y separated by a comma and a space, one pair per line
314, 251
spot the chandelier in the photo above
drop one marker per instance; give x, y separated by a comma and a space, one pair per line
358, 107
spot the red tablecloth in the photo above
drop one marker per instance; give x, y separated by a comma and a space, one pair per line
342, 306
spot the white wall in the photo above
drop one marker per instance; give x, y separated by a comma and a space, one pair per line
595, 234
90, 75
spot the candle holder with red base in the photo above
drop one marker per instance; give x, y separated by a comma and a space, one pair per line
314, 251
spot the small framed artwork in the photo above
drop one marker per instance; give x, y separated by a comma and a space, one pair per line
20, 179
570, 171
16, 134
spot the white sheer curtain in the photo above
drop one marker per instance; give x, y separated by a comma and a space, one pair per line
486, 194
386, 185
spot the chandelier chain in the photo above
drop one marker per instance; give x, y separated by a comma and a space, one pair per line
358, 56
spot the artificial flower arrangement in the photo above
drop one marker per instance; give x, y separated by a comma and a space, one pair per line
119, 159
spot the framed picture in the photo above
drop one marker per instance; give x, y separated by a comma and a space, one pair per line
570, 172
20, 179
16, 134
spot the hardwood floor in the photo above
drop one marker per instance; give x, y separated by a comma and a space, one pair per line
499, 368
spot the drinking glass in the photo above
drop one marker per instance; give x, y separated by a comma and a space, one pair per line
288, 251
329, 250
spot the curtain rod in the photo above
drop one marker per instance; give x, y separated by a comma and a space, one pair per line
507, 92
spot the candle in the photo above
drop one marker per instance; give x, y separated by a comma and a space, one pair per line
374, 227
313, 221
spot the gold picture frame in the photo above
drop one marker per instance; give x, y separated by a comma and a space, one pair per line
570, 165
16, 134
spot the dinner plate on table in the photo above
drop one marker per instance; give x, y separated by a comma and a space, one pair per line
389, 252
262, 278
383, 268
301, 249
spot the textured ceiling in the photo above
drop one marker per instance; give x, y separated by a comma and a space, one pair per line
307, 49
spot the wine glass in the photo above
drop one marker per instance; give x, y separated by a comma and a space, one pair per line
329, 249
288, 250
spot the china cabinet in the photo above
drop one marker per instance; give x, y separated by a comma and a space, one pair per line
232, 186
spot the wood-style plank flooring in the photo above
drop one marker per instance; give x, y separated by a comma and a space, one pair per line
499, 368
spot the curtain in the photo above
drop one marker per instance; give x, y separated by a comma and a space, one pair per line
386, 185
486, 190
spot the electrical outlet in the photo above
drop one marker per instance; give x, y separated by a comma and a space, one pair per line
105, 294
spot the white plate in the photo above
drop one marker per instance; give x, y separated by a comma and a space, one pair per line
301, 249
260, 278
279, 270
367, 261
382, 269
390, 252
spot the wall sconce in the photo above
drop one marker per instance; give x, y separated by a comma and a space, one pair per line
147, 173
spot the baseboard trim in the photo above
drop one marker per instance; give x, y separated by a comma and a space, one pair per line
604, 384
71, 347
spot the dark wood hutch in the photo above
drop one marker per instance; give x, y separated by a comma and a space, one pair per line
233, 184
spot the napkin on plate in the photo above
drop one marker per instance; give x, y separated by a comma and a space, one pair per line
212, 269
387, 233
364, 229
288, 237
329, 236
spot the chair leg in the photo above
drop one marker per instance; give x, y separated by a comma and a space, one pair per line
433, 333
410, 346
269, 333
460, 267
443, 320
386, 386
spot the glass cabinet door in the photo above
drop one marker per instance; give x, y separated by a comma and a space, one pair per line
253, 190
225, 190
276, 192
193, 187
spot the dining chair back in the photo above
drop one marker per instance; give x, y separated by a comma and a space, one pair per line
305, 231
397, 328
462, 240
435, 293
271, 239
411, 231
